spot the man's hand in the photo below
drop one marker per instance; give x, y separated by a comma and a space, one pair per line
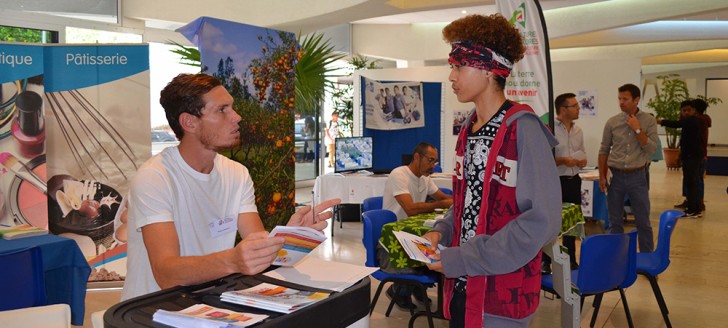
603, 185
306, 217
633, 122
581, 163
256, 252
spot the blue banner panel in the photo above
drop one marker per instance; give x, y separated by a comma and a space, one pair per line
18, 62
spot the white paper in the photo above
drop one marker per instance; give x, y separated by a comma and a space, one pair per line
299, 242
201, 315
323, 274
416, 247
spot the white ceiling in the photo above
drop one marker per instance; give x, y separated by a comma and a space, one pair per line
660, 32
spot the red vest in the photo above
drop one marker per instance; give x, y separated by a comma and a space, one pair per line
511, 295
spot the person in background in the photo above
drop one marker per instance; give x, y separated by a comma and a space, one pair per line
506, 197
628, 141
187, 202
405, 194
408, 186
702, 107
399, 110
656, 156
692, 153
332, 131
570, 156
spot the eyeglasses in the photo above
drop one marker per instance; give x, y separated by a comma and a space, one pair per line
430, 160
574, 105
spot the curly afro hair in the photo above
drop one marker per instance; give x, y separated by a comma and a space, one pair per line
494, 32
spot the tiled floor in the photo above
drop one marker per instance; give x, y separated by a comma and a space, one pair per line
694, 286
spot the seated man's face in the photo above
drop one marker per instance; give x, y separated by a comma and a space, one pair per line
427, 161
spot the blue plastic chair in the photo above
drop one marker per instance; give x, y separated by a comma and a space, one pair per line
446, 191
652, 264
374, 220
22, 272
437, 169
372, 203
607, 262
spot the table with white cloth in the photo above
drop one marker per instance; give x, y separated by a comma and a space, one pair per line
355, 188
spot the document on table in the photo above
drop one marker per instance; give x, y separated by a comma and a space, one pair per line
315, 272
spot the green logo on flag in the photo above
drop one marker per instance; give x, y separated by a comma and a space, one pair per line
519, 16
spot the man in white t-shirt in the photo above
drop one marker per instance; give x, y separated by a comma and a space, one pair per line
187, 202
407, 187
332, 131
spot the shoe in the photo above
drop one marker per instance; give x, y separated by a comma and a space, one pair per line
692, 215
421, 298
702, 205
403, 303
682, 205
574, 266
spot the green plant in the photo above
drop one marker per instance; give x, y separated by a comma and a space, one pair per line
666, 103
314, 73
343, 97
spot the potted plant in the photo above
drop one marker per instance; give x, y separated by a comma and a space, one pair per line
343, 96
666, 103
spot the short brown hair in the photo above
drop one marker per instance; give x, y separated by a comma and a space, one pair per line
184, 95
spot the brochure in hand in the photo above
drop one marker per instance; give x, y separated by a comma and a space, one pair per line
20, 231
273, 297
299, 242
201, 315
416, 247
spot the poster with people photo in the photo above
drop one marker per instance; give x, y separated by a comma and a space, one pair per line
393, 106
458, 119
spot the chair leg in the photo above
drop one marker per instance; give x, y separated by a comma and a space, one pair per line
376, 297
626, 308
660, 299
597, 305
427, 311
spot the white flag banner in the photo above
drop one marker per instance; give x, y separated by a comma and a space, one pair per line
530, 79
393, 106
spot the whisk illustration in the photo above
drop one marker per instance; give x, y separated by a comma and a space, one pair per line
73, 113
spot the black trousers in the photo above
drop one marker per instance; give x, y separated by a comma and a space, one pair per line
570, 193
691, 173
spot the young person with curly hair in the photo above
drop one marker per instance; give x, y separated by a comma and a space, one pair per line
507, 199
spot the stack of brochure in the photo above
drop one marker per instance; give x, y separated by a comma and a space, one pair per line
201, 315
299, 242
273, 298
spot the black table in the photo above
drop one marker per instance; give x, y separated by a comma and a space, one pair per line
338, 310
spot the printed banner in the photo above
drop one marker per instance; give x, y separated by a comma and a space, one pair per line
78, 117
393, 106
530, 79
587, 198
257, 67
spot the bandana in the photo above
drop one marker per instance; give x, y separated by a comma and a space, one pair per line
465, 53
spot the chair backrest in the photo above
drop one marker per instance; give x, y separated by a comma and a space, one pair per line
437, 169
23, 277
446, 191
668, 221
372, 203
631, 276
604, 263
373, 222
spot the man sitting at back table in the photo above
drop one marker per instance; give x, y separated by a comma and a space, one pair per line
405, 194
408, 186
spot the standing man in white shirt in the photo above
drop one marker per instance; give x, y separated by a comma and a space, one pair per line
570, 156
408, 186
187, 202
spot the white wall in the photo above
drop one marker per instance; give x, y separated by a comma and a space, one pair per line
602, 76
